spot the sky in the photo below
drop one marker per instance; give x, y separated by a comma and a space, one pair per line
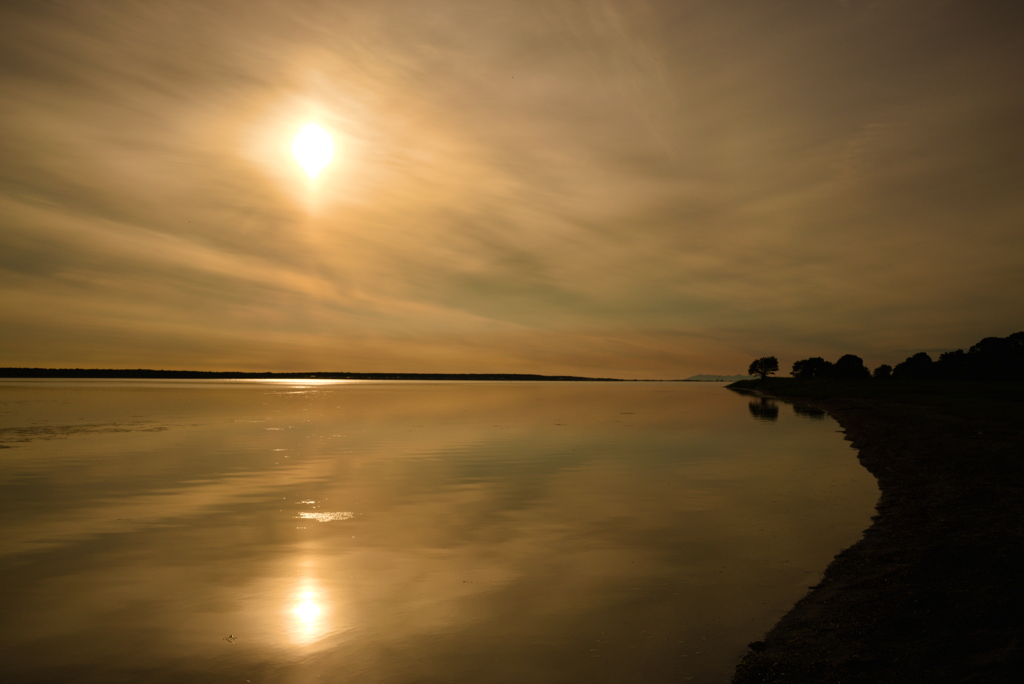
639, 189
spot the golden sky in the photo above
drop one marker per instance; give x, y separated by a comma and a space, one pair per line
642, 188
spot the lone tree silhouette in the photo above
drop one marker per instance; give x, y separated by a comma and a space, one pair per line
764, 366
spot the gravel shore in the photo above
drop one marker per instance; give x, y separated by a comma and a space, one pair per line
934, 591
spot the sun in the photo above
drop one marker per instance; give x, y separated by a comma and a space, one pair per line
313, 148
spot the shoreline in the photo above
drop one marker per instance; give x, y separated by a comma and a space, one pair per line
932, 591
10, 373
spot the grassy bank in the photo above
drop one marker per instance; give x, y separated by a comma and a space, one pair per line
932, 592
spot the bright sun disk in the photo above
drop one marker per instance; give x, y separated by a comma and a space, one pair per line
313, 149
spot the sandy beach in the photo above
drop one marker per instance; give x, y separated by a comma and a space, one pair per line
932, 593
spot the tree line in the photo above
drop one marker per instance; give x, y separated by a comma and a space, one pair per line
993, 358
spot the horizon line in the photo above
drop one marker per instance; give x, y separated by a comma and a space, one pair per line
37, 372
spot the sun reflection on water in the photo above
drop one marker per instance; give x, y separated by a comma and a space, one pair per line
308, 613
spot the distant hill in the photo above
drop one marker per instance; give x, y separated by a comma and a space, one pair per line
718, 378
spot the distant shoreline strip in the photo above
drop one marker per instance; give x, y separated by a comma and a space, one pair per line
146, 373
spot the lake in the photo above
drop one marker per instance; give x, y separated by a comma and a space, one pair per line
400, 532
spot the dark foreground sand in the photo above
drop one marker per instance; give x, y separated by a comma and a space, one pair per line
934, 591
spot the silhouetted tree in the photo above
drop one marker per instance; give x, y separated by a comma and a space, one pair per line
953, 365
850, 367
764, 366
812, 368
917, 367
995, 358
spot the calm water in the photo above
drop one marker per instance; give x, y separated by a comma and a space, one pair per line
400, 532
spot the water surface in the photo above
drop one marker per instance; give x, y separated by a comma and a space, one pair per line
399, 532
